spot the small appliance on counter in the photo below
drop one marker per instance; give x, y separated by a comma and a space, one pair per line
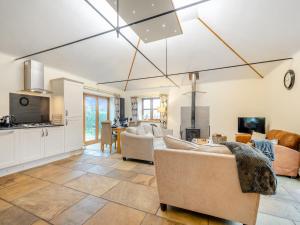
7, 121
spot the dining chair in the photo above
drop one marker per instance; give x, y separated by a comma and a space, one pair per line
107, 135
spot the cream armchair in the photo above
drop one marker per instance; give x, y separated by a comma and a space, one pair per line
203, 182
137, 146
139, 143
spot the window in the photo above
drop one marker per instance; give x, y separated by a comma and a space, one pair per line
150, 108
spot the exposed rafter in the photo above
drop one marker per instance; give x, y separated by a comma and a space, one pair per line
122, 35
132, 63
231, 48
200, 71
114, 29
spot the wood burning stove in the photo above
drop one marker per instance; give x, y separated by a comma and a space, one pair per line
191, 133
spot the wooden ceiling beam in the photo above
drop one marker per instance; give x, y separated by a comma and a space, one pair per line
231, 48
132, 63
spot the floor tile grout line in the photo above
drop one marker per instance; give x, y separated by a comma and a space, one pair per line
276, 216
68, 207
19, 207
91, 216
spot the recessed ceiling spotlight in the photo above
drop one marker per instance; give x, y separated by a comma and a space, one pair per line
147, 30
152, 4
163, 25
133, 11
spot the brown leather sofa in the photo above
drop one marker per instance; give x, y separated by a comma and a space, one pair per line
287, 155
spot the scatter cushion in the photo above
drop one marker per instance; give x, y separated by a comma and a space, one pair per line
131, 130
147, 128
157, 131
258, 136
274, 141
175, 143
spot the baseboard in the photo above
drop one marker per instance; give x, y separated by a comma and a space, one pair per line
36, 163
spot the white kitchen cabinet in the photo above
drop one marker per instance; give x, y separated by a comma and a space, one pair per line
8, 144
73, 97
67, 98
53, 141
67, 103
73, 134
31, 144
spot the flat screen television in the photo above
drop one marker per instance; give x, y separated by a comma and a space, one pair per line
250, 124
28, 108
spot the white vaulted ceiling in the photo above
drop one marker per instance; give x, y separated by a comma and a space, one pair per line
258, 30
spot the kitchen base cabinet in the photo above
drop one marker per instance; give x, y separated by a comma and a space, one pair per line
54, 141
8, 143
31, 144
37, 143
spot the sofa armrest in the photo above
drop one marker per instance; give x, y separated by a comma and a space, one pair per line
287, 161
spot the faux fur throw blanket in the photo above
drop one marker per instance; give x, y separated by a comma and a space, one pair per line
254, 169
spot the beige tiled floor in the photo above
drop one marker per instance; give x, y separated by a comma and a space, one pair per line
98, 188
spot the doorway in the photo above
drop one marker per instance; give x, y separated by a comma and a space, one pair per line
96, 110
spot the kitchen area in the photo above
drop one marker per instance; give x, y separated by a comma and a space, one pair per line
42, 126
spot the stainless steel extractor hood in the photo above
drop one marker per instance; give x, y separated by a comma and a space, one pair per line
34, 77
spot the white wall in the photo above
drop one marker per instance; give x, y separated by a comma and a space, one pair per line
12, 80
283, 106
229, 99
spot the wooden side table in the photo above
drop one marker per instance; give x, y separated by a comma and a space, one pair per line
243, 138
200, 141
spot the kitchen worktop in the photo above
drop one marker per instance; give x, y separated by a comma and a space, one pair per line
26, 126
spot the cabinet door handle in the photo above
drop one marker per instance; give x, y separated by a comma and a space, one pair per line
43, 133
66, 122
47, 133
67, 113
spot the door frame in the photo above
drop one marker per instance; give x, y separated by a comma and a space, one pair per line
97, 140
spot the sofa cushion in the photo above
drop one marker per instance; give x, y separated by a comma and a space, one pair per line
175, 143
258, 136
140, 130
131, 130
287, 139
147, 128
214, 149
157, 131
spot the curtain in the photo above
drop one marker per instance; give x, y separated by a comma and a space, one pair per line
164, 110
117, 107
134, 109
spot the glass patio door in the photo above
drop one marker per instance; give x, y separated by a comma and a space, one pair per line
103, 108
96, 110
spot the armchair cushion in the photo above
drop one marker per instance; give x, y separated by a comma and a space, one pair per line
175, 143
